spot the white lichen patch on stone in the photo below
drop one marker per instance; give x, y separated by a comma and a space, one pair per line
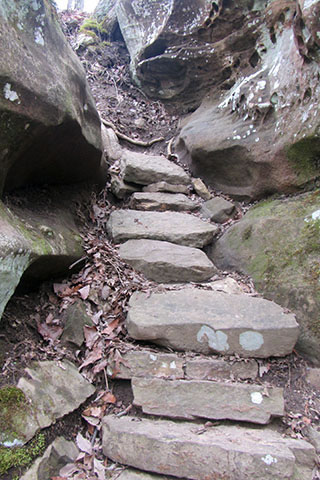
35, 5
153, 357
217, 340
20, 26
15, 443
314, 216
256, 397
10, 94
173, 365
251, 341
38, 36
269, 459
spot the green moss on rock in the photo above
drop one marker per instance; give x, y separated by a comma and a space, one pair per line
305, 158
19, 457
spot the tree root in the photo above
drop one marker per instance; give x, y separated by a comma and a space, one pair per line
140, 143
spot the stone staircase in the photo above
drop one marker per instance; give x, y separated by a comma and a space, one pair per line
203, 416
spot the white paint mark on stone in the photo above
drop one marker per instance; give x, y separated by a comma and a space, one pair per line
153, 357
269, 459
38, 36
256, 398
173, 365
10, 94
251, 340
216, 340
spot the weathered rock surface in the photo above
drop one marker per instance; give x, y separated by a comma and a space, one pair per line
174, 227
53, 390
146, 169
220, 369
191, 399
277, 244
162, 201
147, 364
38, 245
224, 451
144, 363
166, 187
131, 474
266, 125
201, 189
75, 318
217, 210
49, 126
212, 322
167, 262
57, 455
121, 189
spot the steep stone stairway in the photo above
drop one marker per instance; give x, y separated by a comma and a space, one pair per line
203, 416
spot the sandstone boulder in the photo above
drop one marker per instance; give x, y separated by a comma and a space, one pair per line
36, 245
278, 244
175, 227
167, 262
162, 201
191, 399
262, 134
49, 126
225, 451
212, 322
145, 169
218, 210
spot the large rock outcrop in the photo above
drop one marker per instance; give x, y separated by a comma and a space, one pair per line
262, 135
49, 126
278, 244
36, 243
254, 66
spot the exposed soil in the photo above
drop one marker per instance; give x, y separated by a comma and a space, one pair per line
104, 283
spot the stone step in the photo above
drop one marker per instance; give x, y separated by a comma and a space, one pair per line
208, 321
191, 399
145, 169
146, 363
166, 187
167, 262
130, 474
162, 201
174, 227
199, 452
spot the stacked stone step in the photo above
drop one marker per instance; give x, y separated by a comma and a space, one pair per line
186, 392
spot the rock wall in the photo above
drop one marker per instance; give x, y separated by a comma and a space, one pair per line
49, 126
277, 243
254, 68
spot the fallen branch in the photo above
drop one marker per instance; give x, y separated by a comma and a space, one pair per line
140, 143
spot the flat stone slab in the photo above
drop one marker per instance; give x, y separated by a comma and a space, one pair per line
147, 364
146, 169
220, 369
209, 321
191, 399
166, 187
174, 227
53, 389
131, 474
196, 452
167, 262
217, 209
144, 363
158, 201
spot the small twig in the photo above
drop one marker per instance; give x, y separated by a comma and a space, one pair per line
106, 379
169, 147
140, 143
124, 412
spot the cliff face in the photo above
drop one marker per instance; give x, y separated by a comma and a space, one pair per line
50, 129
253, 66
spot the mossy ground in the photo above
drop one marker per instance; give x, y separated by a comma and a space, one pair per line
12, 400
21, 457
